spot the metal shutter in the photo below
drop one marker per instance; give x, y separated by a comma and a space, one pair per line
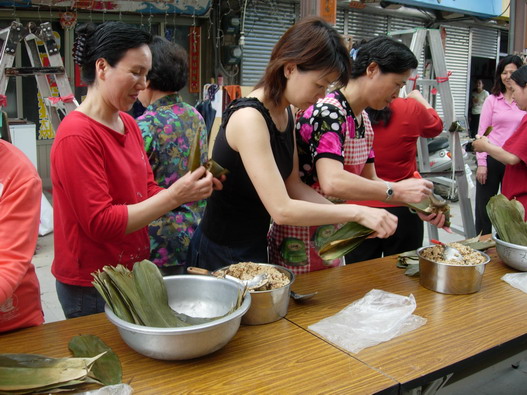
265, 23
457, 61
398, 23
484, 43
362, 25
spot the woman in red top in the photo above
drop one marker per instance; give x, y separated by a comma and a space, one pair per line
20, 196
104, 193
513, 154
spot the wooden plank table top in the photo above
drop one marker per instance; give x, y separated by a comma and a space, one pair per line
275, 358
459, 328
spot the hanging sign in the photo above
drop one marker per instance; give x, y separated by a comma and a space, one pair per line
328, 11
194, 49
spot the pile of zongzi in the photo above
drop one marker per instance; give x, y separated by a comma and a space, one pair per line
507, 217
140, 296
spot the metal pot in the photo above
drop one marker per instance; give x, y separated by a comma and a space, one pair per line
450, 279
268, 306
512, 255
196, 296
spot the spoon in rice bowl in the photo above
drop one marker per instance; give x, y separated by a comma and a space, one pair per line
449, 253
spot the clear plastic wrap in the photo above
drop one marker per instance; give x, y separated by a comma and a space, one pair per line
517, 280
377, 317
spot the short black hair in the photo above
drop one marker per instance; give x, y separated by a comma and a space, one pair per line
169, 72
392, 56
109, 40
520, 76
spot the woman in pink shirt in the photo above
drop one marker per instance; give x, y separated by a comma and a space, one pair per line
502, 113
513, 153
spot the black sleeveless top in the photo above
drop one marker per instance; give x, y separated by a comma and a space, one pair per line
236, 215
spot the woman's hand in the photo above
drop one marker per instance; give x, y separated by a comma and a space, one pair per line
412, 190
481, 174
193, 186
436, 219
379, 220
481, 144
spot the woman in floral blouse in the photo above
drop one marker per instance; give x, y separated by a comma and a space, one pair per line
169, 127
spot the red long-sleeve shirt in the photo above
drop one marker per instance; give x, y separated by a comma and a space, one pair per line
96, 172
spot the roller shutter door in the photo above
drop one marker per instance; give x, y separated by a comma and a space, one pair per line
265, 23
484, 43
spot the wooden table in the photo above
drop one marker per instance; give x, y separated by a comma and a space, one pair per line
461, 331
273, 358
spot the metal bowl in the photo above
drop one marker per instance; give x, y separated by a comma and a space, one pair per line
268, 306
512, 255
196, 296
450, 279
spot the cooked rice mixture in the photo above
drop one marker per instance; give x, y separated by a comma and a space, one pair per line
470, 256
247, 270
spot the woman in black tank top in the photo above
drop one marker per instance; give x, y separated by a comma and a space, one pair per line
256, 144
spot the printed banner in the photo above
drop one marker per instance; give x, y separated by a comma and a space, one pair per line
194, 49
182, 7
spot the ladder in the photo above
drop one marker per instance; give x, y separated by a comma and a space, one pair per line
416, 39
12, 36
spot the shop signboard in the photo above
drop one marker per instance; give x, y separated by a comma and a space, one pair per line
181, 7
481, 8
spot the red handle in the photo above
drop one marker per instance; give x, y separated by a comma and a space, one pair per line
437, 242
417, 175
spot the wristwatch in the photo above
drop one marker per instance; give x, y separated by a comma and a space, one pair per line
389, 191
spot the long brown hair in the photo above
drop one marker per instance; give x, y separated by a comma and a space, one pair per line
311, 44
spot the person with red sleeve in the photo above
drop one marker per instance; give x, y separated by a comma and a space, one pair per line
20, 196
104, 193
397, 128
513, 153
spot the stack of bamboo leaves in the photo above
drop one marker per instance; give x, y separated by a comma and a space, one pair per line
140, 296
93, 363
344, 240
507, 217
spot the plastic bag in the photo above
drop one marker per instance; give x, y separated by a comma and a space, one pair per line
517, 280
377, 317
117, 389
46, 217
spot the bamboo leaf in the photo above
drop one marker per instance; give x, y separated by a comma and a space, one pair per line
22, 372
194, 160
106, 369
344, 240
508, 219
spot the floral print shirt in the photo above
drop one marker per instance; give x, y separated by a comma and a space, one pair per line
329, 129
169, 127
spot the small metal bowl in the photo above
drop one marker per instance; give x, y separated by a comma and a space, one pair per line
271, 305
196, 296
450, 279
512, 255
